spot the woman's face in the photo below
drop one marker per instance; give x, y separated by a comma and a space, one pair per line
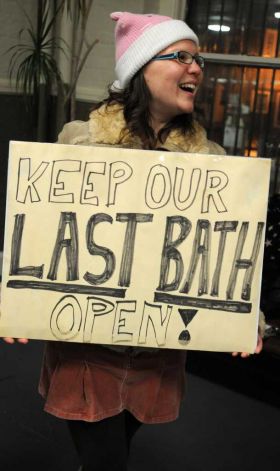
168, 82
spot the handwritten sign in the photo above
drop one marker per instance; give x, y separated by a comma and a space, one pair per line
128, 247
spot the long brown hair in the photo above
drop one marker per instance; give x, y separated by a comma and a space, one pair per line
135, 99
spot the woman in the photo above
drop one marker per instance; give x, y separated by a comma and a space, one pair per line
106, 392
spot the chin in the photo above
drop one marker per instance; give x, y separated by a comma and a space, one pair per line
186, 110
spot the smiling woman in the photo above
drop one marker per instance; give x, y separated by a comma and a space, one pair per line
108, 391
152, 99
173, 86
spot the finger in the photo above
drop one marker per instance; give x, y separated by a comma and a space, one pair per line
245, 355
242, 354
259, 346
9, 340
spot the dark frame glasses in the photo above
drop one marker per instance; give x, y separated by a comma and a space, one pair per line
182, 56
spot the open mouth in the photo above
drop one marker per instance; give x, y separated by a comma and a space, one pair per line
188, 87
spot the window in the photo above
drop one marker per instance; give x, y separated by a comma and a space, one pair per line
239, 101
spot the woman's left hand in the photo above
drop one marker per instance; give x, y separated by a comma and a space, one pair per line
258, 349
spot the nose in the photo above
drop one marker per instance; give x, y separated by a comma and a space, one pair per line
194, 68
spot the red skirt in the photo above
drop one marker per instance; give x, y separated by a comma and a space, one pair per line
91, 382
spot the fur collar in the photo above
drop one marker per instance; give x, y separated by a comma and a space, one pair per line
106, 125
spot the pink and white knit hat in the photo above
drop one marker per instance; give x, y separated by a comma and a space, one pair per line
140, 37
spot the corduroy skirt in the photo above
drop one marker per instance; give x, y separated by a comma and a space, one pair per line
91, 382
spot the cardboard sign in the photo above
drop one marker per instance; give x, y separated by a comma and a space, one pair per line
131, 247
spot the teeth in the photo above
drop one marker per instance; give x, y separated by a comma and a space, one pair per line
188, 86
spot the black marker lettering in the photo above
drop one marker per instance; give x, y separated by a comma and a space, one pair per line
158, 187
224, 227
26, 182
57, 188
88, 195
154, 316
199, 249
97, 250
66, 318
187, 316
70, 245
120, 334
132, 220
15, 269
203, 303
216, 181
67, 288
183, 204
247, 264
119, 173
169, 252
95, 307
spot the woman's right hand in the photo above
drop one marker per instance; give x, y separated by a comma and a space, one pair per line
11, 340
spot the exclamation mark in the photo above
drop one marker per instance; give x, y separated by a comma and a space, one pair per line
187, 316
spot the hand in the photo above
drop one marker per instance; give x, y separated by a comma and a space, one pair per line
258, 349
12, 340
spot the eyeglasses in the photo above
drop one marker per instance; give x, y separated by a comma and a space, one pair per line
182, 56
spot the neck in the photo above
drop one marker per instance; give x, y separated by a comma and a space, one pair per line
159, 117
157, 124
